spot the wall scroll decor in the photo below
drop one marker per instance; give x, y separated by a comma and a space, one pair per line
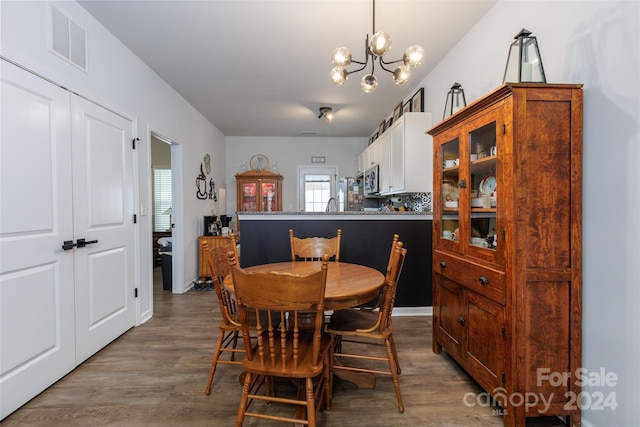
207, 163
212, 190
201, 181
201, 184
318, 159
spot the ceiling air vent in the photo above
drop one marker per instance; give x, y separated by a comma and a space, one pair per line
68, 39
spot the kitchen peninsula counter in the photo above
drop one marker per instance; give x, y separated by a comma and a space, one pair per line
366, 240
378, 215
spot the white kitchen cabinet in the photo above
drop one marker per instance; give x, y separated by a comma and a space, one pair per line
408, 165
360, 166
372, 155
384, 143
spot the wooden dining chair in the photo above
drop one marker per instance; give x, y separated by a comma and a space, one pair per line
313, 248
281, 348
229, 327
363, 327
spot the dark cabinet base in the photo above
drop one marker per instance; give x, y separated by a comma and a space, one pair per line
365, 242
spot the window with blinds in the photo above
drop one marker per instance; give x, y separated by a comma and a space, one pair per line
161, 199
317, 192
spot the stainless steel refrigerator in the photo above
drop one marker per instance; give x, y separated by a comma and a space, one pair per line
350, 194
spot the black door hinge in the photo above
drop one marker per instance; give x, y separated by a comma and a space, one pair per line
135, 218
504, 128
135, 292
133, 142
503, 332
503, 377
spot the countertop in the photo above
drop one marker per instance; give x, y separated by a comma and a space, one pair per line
377, 215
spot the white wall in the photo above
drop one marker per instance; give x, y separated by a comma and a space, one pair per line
290, 153
120, 81
595, 43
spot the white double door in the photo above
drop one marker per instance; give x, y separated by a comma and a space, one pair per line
66, 174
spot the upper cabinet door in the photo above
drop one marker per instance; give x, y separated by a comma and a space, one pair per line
483, 146
467, 181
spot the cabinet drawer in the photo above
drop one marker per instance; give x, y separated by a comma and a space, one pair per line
481, 279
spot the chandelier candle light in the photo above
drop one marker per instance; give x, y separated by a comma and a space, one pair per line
375, 49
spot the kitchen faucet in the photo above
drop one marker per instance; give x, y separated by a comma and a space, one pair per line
335, 203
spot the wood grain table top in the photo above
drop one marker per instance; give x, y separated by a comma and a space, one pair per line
348, 285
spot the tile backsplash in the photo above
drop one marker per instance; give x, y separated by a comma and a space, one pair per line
417, 202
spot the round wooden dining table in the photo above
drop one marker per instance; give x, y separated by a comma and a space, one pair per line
348, 285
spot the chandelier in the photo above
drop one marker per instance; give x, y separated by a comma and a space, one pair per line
374, 49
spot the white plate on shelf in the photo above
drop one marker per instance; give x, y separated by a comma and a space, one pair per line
488, 185
476, 202
451, 204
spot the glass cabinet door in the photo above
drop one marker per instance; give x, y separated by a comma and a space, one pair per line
482, 146
449, 191
269, 196
469, 172
250, 201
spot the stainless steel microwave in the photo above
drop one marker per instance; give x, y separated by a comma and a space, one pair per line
372, 180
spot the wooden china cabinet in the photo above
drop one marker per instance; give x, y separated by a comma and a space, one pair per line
507, 246
259, 191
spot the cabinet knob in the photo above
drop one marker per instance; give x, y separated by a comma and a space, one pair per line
483, 280
461, 320
443, 264
462, 183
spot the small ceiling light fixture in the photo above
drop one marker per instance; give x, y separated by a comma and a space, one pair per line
374, 49
455, 100
326, 113
524, 63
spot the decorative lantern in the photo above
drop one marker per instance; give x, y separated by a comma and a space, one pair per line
455, 100
524, 63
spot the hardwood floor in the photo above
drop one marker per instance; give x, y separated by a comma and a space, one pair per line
155, 375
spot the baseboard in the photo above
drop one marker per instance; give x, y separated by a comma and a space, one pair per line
413, 311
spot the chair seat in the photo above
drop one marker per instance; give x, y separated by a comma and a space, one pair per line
352, 319
306, 367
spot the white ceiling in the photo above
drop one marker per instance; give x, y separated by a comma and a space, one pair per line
261, 67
